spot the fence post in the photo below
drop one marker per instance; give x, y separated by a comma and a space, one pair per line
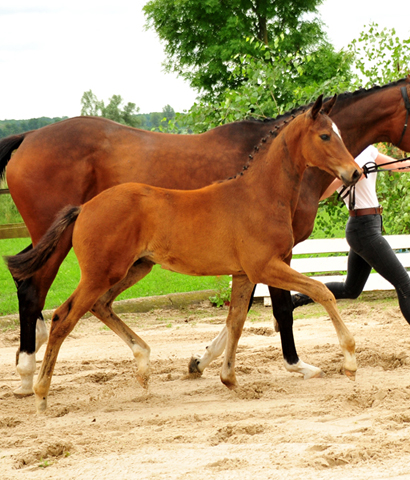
12, 230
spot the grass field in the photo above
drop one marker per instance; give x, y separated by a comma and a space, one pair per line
158, 282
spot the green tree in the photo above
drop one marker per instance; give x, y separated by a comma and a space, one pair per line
275, 84
155, 120
203, 38
11, 127
114, 110
168, 112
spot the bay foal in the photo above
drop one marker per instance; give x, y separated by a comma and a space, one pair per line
240, 227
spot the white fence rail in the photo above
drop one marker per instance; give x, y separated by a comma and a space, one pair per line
330, 268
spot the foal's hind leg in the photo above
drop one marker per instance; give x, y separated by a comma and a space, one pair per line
198, 363
31, 296
238, 309
102, 309
64, 320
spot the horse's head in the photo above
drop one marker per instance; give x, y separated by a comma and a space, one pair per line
323, 146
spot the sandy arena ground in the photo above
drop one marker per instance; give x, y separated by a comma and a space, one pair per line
100, 424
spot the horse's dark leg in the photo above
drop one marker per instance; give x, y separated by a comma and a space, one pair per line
41, 329
251, 299
282, 310
31, 296
33, 332
29, 311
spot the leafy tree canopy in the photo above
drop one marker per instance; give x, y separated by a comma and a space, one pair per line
275, 84
203, 38
380, 56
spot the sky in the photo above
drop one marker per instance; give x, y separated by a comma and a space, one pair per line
52, 51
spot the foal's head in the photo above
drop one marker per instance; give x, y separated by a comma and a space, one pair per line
323, 146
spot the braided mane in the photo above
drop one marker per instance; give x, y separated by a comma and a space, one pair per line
264, 142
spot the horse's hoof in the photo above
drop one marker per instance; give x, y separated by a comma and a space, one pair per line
21, 392
193, 367
314, 374
350, 375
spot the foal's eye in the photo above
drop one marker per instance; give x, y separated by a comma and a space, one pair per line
325, 137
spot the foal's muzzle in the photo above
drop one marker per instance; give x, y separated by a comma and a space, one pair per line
354, 178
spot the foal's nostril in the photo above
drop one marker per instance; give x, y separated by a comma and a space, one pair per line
356, 175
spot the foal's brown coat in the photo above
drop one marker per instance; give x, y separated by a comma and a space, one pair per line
241, 227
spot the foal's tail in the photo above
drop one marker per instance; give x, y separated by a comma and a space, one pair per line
24, 265
7, 146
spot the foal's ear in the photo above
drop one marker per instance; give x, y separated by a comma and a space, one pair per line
314, 111
327, 107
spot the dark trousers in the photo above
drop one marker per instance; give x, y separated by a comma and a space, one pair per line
369, 249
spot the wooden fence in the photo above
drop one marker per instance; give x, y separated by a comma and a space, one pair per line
12, 230
316, 257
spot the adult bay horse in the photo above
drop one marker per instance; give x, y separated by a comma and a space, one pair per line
211, 231
71, 161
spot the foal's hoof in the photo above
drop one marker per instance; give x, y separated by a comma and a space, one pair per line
231, 384
41, 404
143, 380
193, 367
350, 375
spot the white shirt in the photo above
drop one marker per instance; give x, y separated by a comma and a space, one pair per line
366, 196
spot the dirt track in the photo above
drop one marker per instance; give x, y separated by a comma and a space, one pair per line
101, 424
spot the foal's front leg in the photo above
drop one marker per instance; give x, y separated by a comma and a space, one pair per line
238, 309
280, 275
282, 310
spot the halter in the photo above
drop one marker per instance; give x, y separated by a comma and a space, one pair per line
407, 106
369, 167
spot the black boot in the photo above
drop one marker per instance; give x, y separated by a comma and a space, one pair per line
299, 299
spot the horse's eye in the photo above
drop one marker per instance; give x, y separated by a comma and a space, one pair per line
325, 137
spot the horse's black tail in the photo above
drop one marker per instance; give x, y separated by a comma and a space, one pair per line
7, 146
24, 265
